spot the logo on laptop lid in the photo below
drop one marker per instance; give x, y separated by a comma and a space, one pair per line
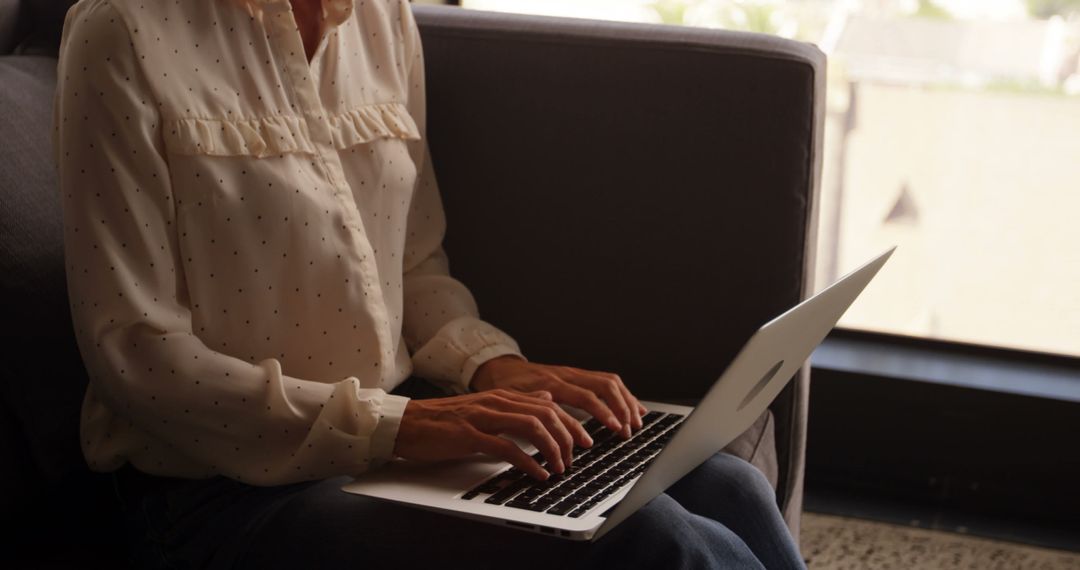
760, 385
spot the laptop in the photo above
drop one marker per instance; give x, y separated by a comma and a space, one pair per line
615, 477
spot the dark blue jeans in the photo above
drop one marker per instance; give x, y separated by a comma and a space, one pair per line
721, 515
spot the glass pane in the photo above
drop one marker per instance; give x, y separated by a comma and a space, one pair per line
953, 131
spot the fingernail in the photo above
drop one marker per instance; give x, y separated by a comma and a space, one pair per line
588, 441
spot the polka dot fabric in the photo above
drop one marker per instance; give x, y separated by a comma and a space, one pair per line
253, 240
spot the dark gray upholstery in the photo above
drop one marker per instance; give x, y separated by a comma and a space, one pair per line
40, 26
9, 24
650, 191
47, 489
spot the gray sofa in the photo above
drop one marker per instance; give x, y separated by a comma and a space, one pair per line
653, 190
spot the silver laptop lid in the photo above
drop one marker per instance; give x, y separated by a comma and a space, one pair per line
753, 380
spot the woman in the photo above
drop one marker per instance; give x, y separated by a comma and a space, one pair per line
253, 236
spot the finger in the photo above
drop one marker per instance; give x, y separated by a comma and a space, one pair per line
506, 450
581, 436
633, 404
539, 394
607, 387
554, 425
578, 397
530, 428
577, 431
567, 430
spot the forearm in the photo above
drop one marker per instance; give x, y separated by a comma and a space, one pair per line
247, 421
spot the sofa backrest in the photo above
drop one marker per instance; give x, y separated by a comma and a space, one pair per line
47, 489
9, 24
654, 204
628, 197
37, 327
32, 27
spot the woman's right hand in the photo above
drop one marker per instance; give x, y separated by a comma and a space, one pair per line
448, 428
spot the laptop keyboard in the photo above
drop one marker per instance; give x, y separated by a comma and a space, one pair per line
597, 472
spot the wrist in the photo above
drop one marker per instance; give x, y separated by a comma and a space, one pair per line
488, 373
388, 429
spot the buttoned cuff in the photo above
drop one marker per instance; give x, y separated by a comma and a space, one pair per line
384, 437
452, 356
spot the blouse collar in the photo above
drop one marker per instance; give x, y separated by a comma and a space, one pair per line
334, 12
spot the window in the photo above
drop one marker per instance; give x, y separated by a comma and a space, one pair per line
952, 131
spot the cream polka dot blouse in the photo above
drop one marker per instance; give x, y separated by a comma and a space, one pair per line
253, 240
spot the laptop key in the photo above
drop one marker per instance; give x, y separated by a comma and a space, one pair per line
545, 502
592, 425
562, 508
650, 417
522, 504
507, 492
576, 513
498, 482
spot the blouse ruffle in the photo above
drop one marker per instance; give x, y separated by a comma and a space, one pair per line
278, 134
264, 136
370, 122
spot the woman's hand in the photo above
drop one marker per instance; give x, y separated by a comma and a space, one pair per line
603, 395
458, 426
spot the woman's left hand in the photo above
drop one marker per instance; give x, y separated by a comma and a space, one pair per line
602, 394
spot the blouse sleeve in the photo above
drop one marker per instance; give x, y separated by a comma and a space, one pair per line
245, 420
442, 327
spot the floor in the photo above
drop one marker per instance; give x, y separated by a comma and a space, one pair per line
1054, 534
831, 542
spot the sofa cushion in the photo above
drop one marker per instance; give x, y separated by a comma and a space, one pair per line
31, 238
42, 379
44, 22
48, 489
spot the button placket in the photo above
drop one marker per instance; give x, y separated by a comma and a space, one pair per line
299, 74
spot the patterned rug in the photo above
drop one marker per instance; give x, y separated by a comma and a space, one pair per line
838, 543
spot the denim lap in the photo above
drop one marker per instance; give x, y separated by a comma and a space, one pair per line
718, 516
